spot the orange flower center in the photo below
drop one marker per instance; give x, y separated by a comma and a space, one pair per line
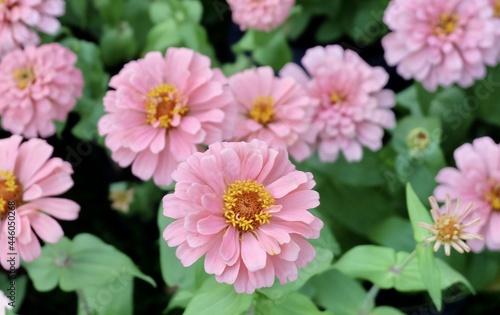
24, 77
448, 228
245, 205
496, 9
10, 190
163, 104
262, 110
336, 98
493, 197
447, 24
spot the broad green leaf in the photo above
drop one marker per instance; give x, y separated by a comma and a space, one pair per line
394, 232
118, 44
296, 304
275, 53
162, 36
450, 276
386, 310
418, 213
330, 30
160, 11
369, 262
429, 270
84, 262
408, 99
218, 298
242, 62
482, 269
337, 292
113, 297
110, 10
484, 96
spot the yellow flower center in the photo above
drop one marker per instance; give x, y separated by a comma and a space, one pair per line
24, 77
10, 190
496, 9
493, 197
336, 98
447, 24
262, 110
163, 103
245, 205
448, 228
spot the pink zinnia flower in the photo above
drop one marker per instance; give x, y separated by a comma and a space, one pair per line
354, 108
440, 42
37, 86
495, 5
275, 110
163, 109
248, 214
263, 15
449, 229
476, 179
30, 179
18, 18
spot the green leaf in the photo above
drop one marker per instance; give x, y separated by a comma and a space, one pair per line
394, 232
450, 276
218, 298
369, 262
418, 213
162, 36
430, 273
386, 310
296, 303
113, 297
337, 292
484, 97
276, 53
110, 10
118, 44
84, 262
408, 99
330, 30
242, 62
160, 11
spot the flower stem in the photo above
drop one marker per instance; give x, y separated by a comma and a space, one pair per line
369, 302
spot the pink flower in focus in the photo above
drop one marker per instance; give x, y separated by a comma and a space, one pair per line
354, 108
476, 179
19, 18
38, 85
263, 15
248, 215
274, 110
441, 42
30, 179
162, 110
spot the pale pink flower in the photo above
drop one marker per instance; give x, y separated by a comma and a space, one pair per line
163, 109
4, 302
38, 85
354, 108
495, 5
245, 207
30, 178
263, 15
440, 43
274, 110
476, 179
20, 18
449, 229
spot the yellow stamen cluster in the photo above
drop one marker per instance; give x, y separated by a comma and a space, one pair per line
336, 98
448, 228
493, 197
496, 9
447, 24
10, 190
24, 77
163, 103
245, 203
262, 110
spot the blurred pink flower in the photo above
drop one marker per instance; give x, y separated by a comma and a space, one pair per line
263, 15
274, 110
163, 109
354, 108
20, 18
495, 5
441, 42
248, 214
38, 85
449, 228
30, 179
476, 179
